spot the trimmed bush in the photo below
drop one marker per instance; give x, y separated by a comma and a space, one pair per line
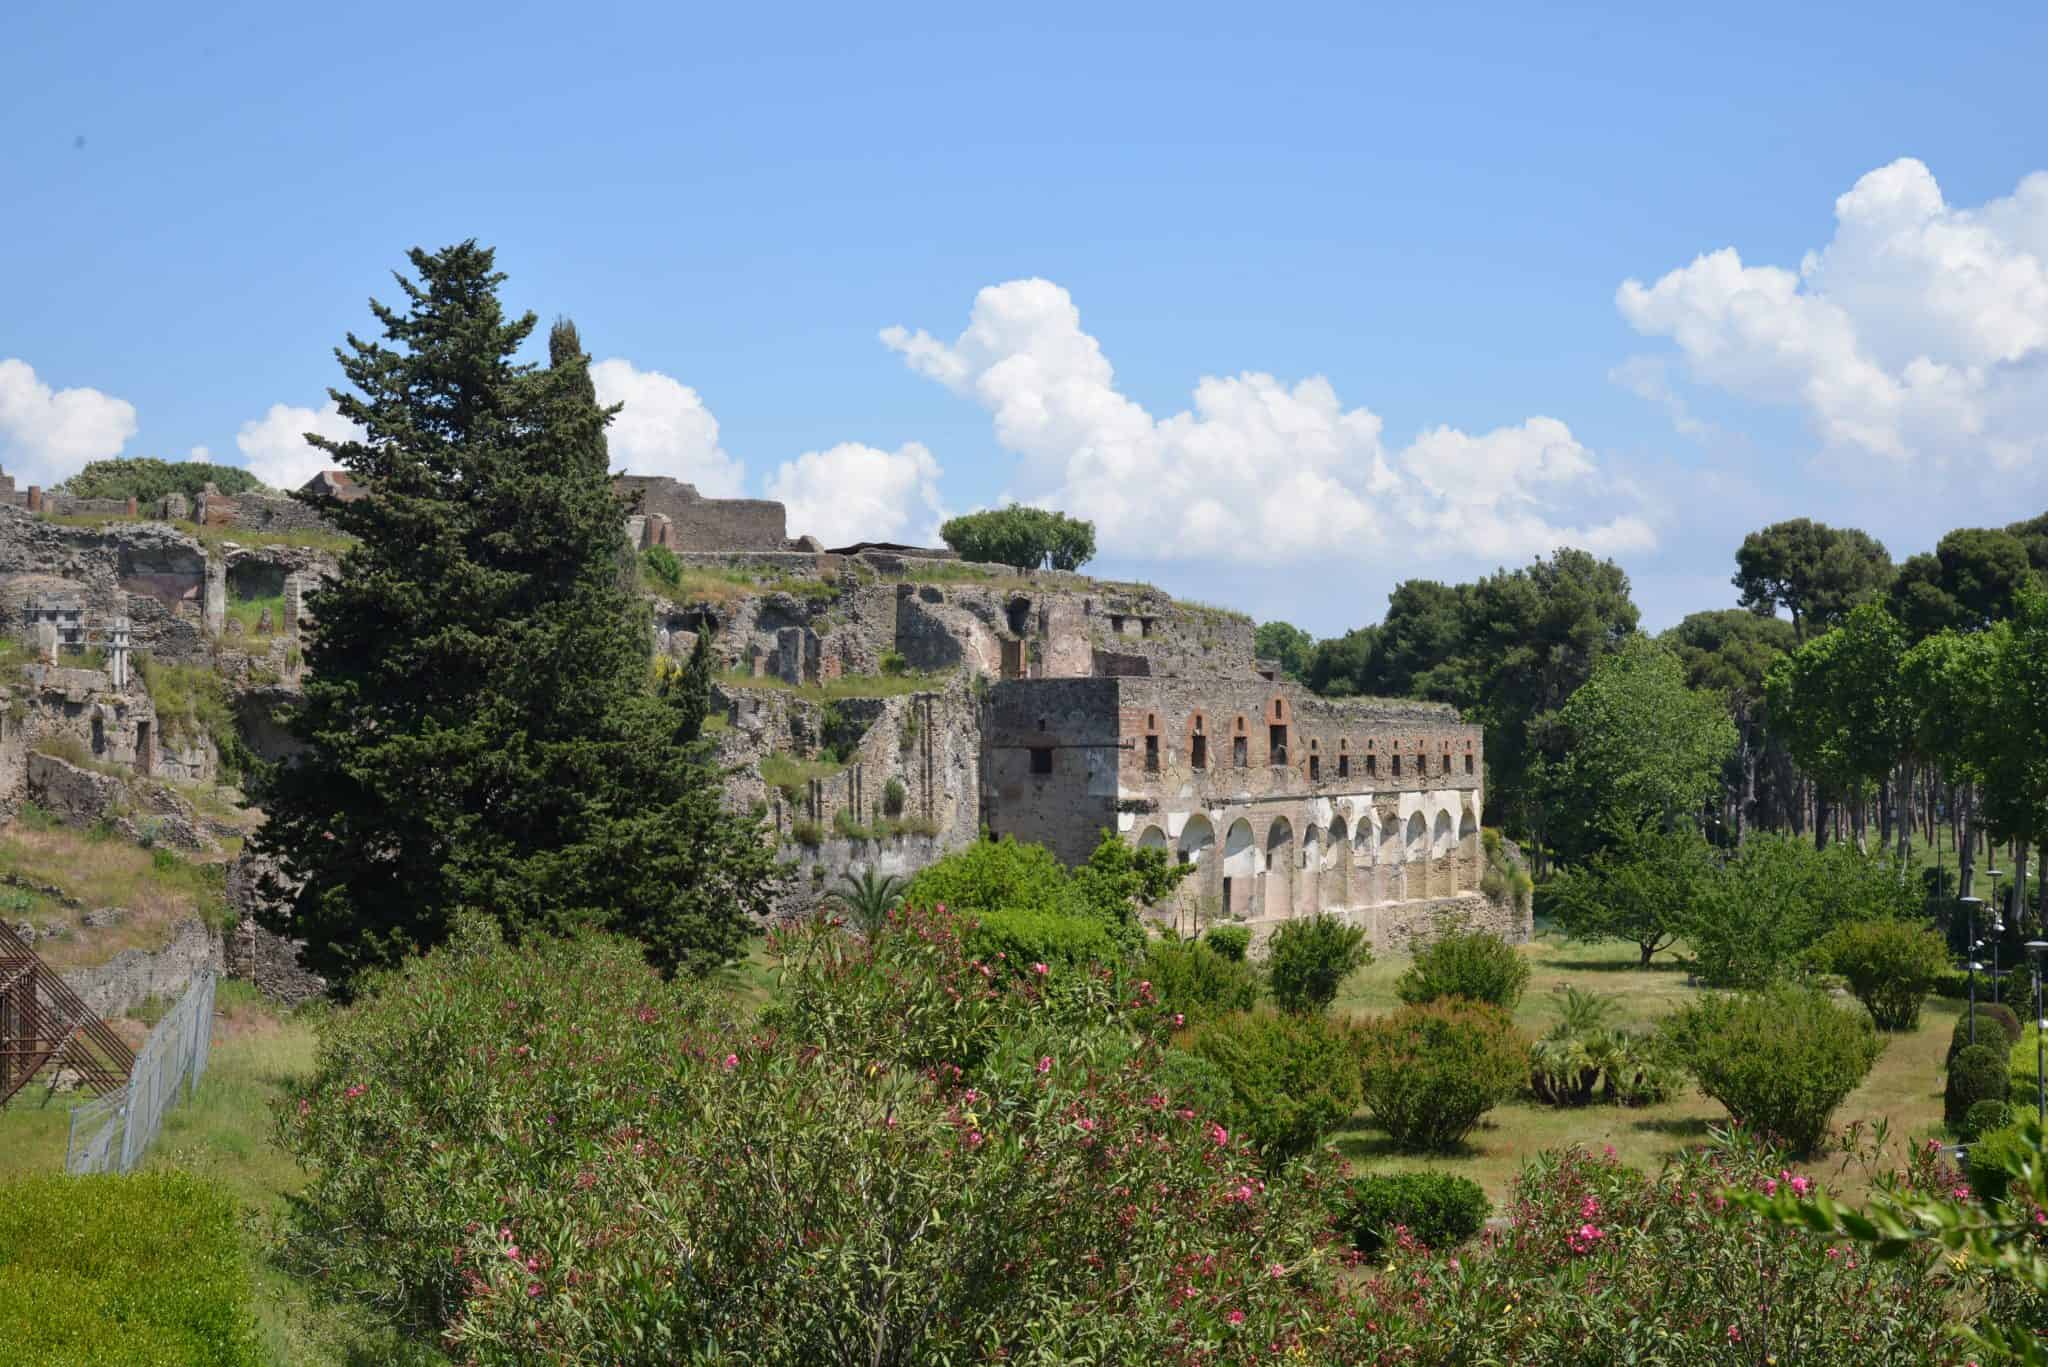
1473, 964
1292, 1080
1231, 942
1992, 1157
1780, 1060
1437, 1209
1982, 1118
143, 1269
1891, 966
1428, 1073
1979, 1072
1194, 983
1308, 960
1992, 1020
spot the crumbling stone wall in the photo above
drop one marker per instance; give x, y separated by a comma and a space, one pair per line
133, 976
697, 523
271, 963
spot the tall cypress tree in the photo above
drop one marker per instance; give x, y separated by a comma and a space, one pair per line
482, 726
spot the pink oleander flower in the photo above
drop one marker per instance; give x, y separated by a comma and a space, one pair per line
1040, 969
1770, 1186
1734, 1334
970, 1096
732, 1061
1235, 1317
1802, 1186
1179, 1020
1962, 1193
974, 1138
1045, 1064
1217, 1133
533, 1288
1275, 1270
356, 1091
1087, 1125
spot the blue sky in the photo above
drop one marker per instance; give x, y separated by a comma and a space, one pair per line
1390, 245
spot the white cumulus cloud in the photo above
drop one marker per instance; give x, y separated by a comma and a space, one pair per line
1258, 470
47, 434
852, 492
1919, 334
200, 455
664, 429
275, 449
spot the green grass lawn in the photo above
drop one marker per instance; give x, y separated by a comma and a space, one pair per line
1904, 1089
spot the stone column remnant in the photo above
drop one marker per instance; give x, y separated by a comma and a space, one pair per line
216, 594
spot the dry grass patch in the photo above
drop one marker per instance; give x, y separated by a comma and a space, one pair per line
155, 887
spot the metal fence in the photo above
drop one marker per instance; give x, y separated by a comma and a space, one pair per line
111, 1132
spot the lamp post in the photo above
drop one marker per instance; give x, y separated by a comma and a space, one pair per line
1997, 928
2034, 951
1970, 905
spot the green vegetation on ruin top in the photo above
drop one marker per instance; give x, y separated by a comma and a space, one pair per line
789, 774
845, 686
334, 543
673, 579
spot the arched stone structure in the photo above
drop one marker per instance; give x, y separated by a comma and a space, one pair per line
1336, 890
1279, 880
1393, 884
1202, 890
1308, 898
1416, 857
1470, 861
1443, 864
1240, 870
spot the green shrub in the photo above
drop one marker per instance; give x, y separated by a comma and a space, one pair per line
1476, 965
1780, 1060
1993, 1155
1428, 1073
1890, 966
1291, 1077
806, 832
143, 1269
894, 794
1189, 1080
1232, 942
1022, 938
893, 663
1191, 983
1308, 960
676, 1182
1992, 1021
1982, 1118
1583, 1059
1778, 896
1437, 1209
2024, 1059
1979, 1072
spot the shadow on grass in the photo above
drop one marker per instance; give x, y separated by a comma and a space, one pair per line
1362, 1148
1628, 964
1692, 1128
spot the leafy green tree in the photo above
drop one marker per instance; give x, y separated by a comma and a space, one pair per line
1728, 653
1287, 643
480, 731
1840, 705
1968, 583
1344, 666
1644, 888
1424, 632
1643, 748
146, 479
1028, 538
1815, 572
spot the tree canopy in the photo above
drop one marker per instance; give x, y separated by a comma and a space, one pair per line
482, 728
1028, 538
146, 479
1815, 572
1287, 643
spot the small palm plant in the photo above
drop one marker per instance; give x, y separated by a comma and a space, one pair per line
868, 899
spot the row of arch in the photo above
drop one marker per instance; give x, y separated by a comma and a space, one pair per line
1327, 869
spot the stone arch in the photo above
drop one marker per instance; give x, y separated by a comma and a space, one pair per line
1279, 880
1336, 889
1197, 847
1309, 896
1416, 850
1152, 839
1443, 846
1393, 875
1469, 860
1240, 869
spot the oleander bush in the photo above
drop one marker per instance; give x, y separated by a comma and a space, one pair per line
1781, 1060
1890, 966
1435, 1209
1429, 1073
145, 1269
1291, 1077
548, 1153
1191, 983
1474, 964
1018, 939
1307, 960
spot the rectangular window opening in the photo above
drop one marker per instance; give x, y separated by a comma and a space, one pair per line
1315, 768
1276, 745
1151, 754
1198, 754
1239, 754
1041, 759
1343, 766
1372, 766
1468, 764
1397, 766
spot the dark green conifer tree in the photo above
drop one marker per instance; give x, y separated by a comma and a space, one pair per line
482, 723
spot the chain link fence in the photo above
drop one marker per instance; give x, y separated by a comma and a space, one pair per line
111, 1132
